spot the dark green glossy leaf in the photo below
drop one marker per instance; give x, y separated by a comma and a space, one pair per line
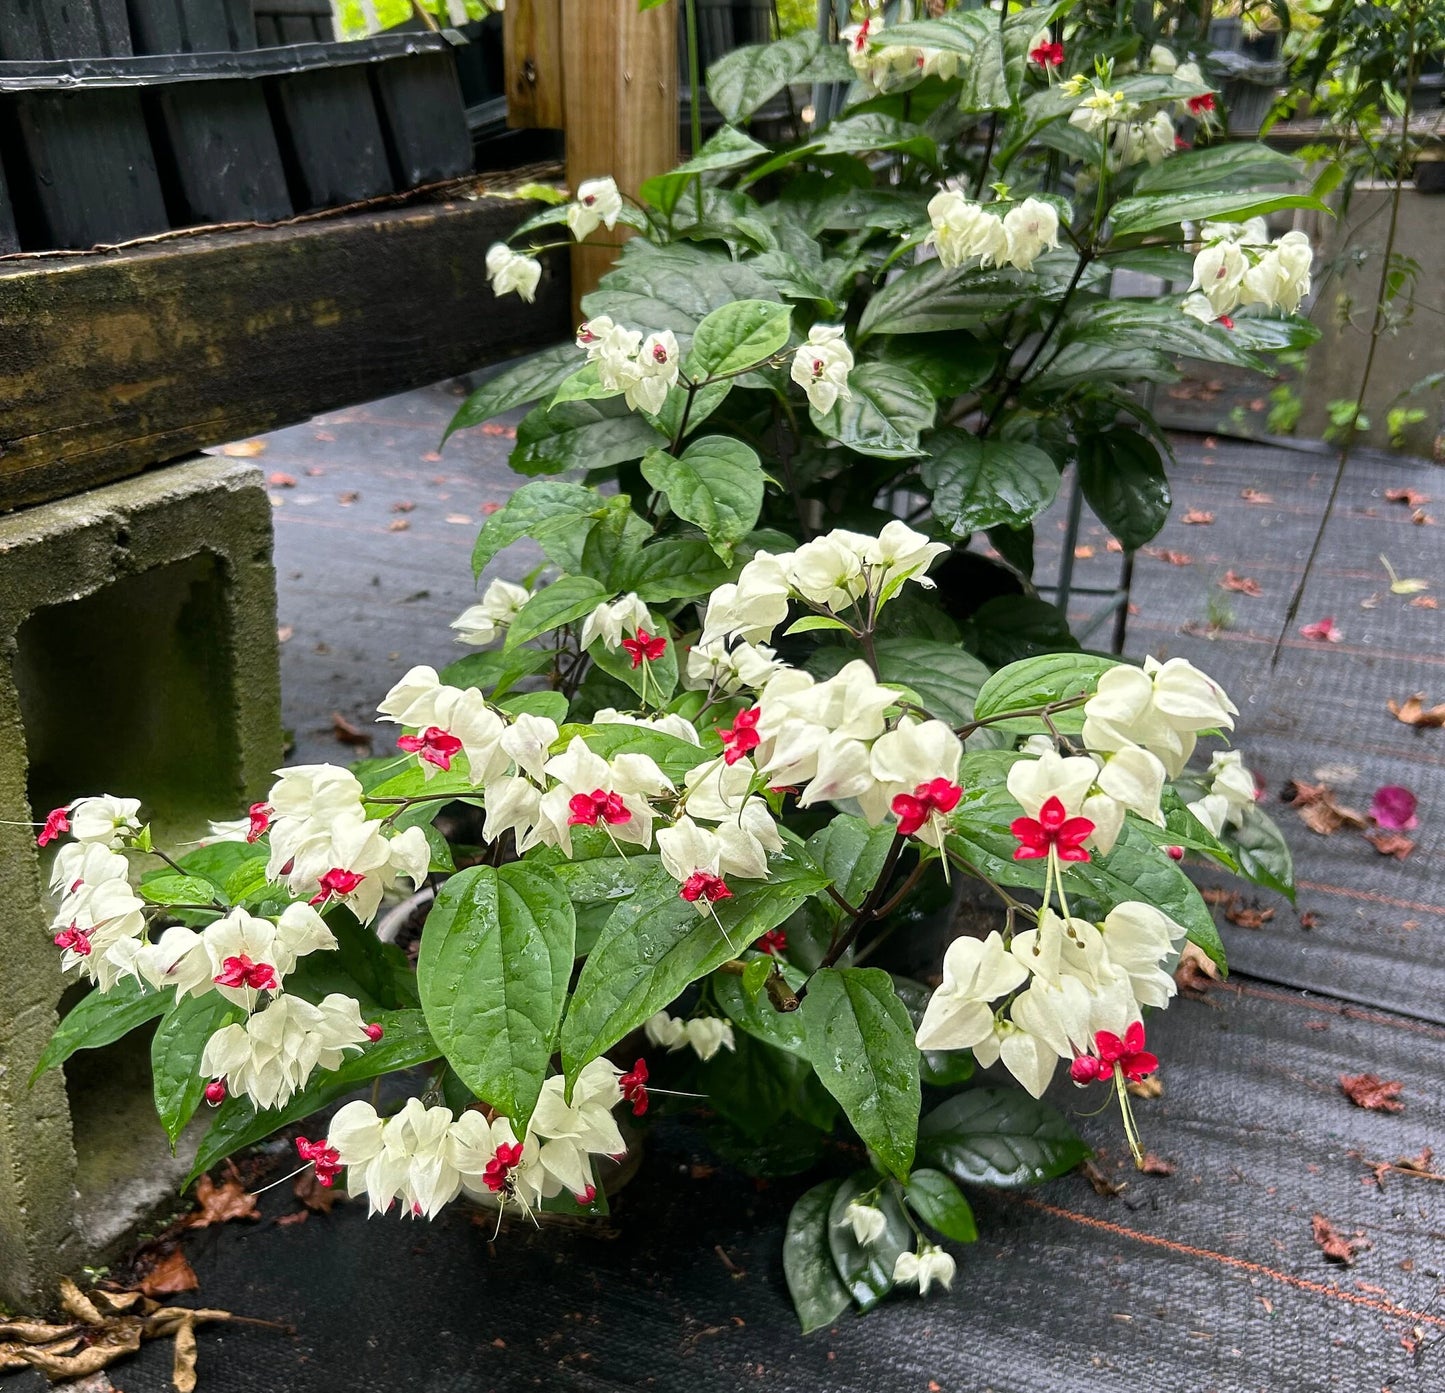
939, 1203
1149, 212
999, 1137
176, 1050
743, 80
1123, 479
819, 1295
102, 1017
568, 599
716, 484
581, 435
979, 484
887, 410
867, 1271
552, 513
1036, 682
530, 380
930, 298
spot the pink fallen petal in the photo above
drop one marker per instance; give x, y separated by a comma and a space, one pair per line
1394, 807
1323, 631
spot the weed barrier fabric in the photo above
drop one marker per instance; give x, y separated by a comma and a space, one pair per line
1206, 1279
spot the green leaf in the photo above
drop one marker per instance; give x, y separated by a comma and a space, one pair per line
552, 513
930, 298
737, 336
1161, 327
727, 148
717, 485
655, 943
1080, 362
1040, 681
999, 1137
887, 410
494, 966
943, 676
584, 385
530, 380
405, 1043
581, 435
654, 682
938, 1068
950, 366
495, 672
672, 287
176, 1050
178, 889
851, 854
819, 1296
813, 623
867, 1272
939, 1203
1262, 852
99, 1018
1149, 212
754, 1012
381, 970
860, 1041
743, 80
552, 705
562, 602
979, 484
674, 756
615, 534
674, 569
1243, 164
1010, 627
1124, 482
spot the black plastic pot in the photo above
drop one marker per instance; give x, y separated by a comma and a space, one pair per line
292, 22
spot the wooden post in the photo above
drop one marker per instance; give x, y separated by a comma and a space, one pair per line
619, 98
532, 44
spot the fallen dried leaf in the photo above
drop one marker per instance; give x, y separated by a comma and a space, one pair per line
281, 481
1156, 1165
404, 506
315, 471
1197, 972
1174, 558
219, 1204
489, 508
1114, 544
1334, 1245
398, 525
313, 1194
1421, 518
1242, 585
431, 457
183, 1369
1083, 553
346, 732
244, 449
506, 432
1309, 919
1411, 498
1198, 517
1248, 916
1372, 1092
1152, 1087
1255, 496
1102, 1184
1319, 811
1394, 844
1413, 713
1424, 602
167, 1274
348, 497
284, 632
459, 519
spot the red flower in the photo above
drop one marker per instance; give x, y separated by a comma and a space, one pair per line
1225, 320
1199, 105
774, 941
914, 809
1174, 853
326, 1159
497, 1176
590, 808
216, 1092
433, 745
860, 43
1052, 830
1047, 55
260, 815
645, 646
740, 738
242, 972
57, 820
702, 886
634, 1087
77, 940
373, 1032
1322, 630
1110, 1052
336, 881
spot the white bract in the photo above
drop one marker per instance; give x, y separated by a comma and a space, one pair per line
488, 619
821, 367
927, 1266
598, 204
511, 271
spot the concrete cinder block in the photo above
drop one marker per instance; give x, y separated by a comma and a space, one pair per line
137, 657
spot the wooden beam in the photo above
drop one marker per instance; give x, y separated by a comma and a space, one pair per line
619, 92
532, 54
113, 362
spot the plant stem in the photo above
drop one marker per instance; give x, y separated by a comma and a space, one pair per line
868, 912
694, 103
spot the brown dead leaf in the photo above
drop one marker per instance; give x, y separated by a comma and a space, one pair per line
1174, 558
1424, 602
1421, 518
1248, 916
431, 457
1242, 585
76, 1303
284, 633
347, 497
459, 519
1411, 498
1198, 517
1412, 711
1318, 810
1255, 496
1114, 545
279, 480
313, 1194
1389, 843
398, 525
1372, 1092
315, 471
1083, 553
1309, 919
1103, 1185
1333, 1244
346, 732
183, 1369
1197, 972
1156, 1165
168, 1273
219, 1204
297, 1216
1152, 1087
244, 449
1217, 895
405, 505
495, 428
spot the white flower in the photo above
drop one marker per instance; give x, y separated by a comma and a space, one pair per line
1218, 274
1099, 109
1134, 778
514, 805
827, 572
412, 1156
271, 1055
1032, 782
570, 1133
1138, 939
319, 790
486, 621
1197, 306
349, 860
1162, 60
508, 271
1189, 74
687, 850
1154, 138
715, 664
963, 229
1162, 707
709, 1034
528, 743
1281, 277
1032, 226
609, 345
912, 753
975, 973
899, 551
646, 380
753, 607
472, 1145
1212, 812
615, 620
821, 367
598, 204
927, 1266
78, 864
1230, 780
869, 1223
617, 792
102, 818
669, 723
98, 926
665, 1032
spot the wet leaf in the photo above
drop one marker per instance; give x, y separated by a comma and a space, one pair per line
1391, 844
219, 1204
1242, 585
1413, 712
1255, 496
1322, 630
168, 1274
346, 732
1198, 517
244, 449
1334, 1245
1411, 498
1373, 1093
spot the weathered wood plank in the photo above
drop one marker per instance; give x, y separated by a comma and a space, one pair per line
532, 48
111, 363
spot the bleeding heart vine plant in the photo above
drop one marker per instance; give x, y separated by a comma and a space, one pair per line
730, 745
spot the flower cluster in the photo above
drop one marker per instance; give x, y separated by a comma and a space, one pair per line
963, 230
511, 271
894, 67
705, 1035
488, 619
598, 204
642, 369
1239, 267
821, 367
